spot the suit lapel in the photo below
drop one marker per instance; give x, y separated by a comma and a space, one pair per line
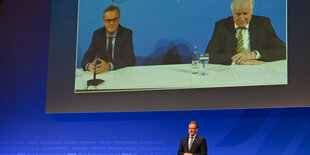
252, 31
117, 43
186, 143
103, 37
232, 34
194, 142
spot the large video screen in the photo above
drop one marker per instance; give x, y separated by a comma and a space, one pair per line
166, 68
159, 52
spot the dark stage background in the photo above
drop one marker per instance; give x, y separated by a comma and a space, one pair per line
26, 129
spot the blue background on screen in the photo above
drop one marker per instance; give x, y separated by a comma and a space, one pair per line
25, 129
161, 25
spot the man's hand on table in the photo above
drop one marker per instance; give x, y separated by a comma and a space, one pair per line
100, 68
252, 62
243, 56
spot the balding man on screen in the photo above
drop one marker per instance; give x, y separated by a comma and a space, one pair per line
244, 38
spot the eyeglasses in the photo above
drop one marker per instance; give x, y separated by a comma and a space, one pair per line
114, 20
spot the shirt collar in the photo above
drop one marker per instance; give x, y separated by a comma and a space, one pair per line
247, 26
114, 35
193, 136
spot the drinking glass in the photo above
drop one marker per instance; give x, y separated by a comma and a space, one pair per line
204, 59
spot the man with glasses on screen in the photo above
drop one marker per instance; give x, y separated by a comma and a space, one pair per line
244, 39
193, 144
111, 47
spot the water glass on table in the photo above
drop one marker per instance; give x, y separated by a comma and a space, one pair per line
203, 60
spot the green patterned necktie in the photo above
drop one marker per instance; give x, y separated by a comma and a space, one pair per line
239, 48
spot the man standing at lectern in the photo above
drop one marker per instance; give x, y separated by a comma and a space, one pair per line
244, 39
193, 144
111, 44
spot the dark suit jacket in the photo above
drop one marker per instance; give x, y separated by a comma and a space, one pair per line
123, 48
199, 146
263, 38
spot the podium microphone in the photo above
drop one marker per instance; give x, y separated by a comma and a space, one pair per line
94, 81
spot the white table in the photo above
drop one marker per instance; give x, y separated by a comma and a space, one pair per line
180, 77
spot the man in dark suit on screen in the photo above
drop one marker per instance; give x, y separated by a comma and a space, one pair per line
111, 44
244, 39
193, 144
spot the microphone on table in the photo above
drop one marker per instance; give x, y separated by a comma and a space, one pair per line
94, 81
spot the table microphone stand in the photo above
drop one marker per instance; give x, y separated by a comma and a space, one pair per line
94, 82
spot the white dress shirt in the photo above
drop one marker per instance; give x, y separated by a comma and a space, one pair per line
246, 39
189, 140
